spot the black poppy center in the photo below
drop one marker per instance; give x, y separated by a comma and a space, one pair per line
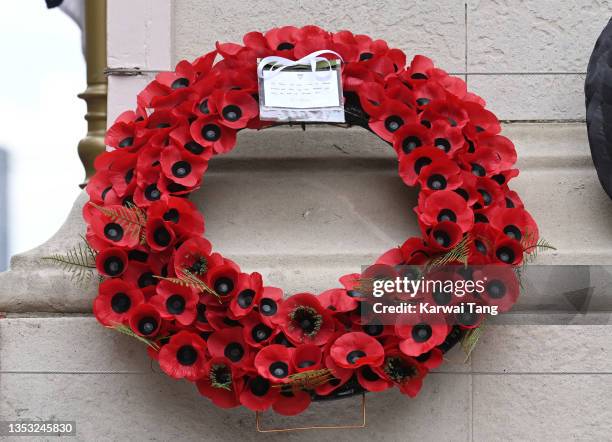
261, 332
187, 355
204, 106
442, 238
162, 236
423, 101
368, 374
181, 169
447, 215
179, 83
442, 297
513, 232
245, 298
420, 163
393, 123
365, 56
146, 279
486, 197
421, 332
442, 144
147, 325
224, 286
285, 46
211, 132
496, 289
480, 246
152, 193
373, 329
194, 148
120, 303
234, 351
113, 231
175, 304
478, 170
201, 313
505, 254
259, 386
268, 307
418, 76
126, 142
232, 112
129, 176
436, 182
279, 369
172, 216
398, 370
410, 143
307, 319
354, 356
113, 266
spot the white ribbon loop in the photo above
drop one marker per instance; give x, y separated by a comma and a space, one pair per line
280, 63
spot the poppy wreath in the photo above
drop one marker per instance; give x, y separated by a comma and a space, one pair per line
240, 341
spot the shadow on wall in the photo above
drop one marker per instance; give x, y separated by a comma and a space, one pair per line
3, 210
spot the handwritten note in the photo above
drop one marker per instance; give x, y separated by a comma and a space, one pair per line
301, 90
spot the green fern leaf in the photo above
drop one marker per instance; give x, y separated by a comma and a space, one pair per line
470, 339
80, 262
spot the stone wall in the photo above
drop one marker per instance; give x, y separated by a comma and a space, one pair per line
284, 203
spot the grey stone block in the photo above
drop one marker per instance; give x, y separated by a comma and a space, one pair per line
538, 407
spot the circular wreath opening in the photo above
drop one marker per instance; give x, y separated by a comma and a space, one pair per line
245, 343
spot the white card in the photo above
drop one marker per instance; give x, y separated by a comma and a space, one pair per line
301, 89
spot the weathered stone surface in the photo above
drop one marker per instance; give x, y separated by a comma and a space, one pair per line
433, 29
533, 35
532, 97
544, 349
542, 407
68, 344
153, 406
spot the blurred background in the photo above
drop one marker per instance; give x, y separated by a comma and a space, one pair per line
41, 123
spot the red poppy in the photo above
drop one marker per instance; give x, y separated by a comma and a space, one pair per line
177, 302
446, 137
269, 305
411, 165
249, 288
145, 320
194, 255
258, 393
115, 230
169, 88
369, 379
441, 174
184, 356
337, 300
181, 137
115, 301
432, 359
340, 377
182, 167
444, 235
122, 171
416, 251
356, 349
502, 287
291, 402
256, 332
209, 132
180, 214
371, 96
304, 320
142, 275
516, 224
483, 120
159, 234
222, 383
223, 279
410, 137
307, 357
508, 251
390, 116
482, 162
273, 362
124, 133
406, 372
391, 257
112, 262
422, 336
235, 107
445, 205
229, 343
